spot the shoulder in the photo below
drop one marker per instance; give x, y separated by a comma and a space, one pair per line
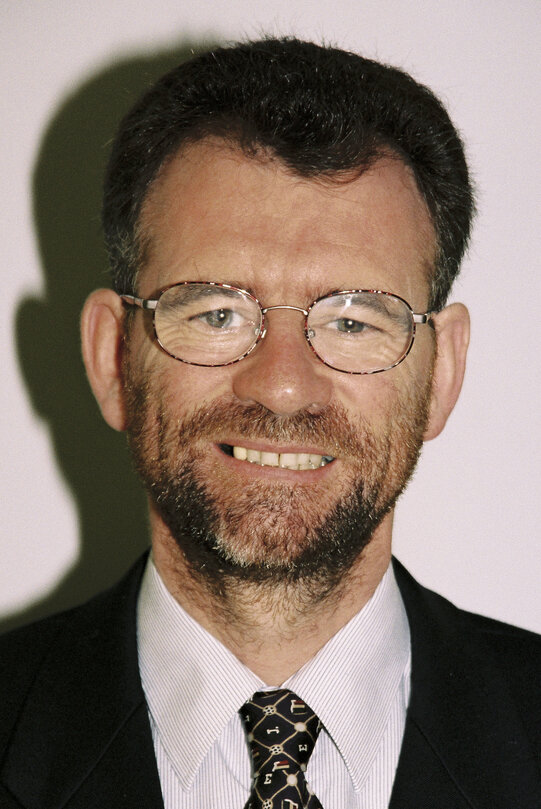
66, 646
22, 652
446, 620
465, 653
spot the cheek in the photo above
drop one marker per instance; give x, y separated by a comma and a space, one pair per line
369, 397
182, 389
385, 401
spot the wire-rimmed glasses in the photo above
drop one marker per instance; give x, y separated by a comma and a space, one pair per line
355, 331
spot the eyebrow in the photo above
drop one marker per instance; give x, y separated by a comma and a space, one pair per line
372, 300
195, 293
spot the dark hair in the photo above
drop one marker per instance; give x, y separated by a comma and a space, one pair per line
322, 111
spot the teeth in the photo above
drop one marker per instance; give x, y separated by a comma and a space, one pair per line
286, 460
289, 460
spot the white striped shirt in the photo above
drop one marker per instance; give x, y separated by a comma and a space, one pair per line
358, 684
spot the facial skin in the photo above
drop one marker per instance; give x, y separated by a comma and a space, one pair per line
230, 526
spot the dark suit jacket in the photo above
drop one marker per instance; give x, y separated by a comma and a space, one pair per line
74, 730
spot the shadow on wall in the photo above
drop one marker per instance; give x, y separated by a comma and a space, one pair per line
67, 200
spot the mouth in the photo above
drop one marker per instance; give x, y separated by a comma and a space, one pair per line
296, 461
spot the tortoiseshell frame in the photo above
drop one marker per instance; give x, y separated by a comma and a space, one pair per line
152, 303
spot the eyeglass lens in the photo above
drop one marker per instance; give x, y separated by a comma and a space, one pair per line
359, 332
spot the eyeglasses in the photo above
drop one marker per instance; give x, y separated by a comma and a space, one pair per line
356, 331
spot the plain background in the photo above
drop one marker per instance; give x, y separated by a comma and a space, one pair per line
72, 517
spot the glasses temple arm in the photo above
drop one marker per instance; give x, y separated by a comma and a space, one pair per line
143, 303
424, 317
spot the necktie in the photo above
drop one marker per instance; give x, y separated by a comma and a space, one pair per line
281, 731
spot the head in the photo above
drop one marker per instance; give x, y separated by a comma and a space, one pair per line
293, 171
323, 112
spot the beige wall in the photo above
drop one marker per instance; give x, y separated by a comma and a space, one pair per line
469, 524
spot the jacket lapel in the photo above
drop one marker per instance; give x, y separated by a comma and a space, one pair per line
464, 743
83, 738
421, 778
7, 801
125, 776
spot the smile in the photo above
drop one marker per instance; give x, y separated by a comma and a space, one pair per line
299, 461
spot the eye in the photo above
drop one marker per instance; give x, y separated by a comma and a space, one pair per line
219, 318
347, 325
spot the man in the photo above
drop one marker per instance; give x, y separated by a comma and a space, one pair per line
284, 223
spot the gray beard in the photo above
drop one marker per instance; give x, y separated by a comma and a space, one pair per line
329, 549
212, 533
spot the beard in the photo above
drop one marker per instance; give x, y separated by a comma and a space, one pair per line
270, 533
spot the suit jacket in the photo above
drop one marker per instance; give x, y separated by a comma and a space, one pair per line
75, 734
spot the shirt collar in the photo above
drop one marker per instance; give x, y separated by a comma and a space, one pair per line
194, 685
352, 683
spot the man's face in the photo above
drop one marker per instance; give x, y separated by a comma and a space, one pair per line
218, 216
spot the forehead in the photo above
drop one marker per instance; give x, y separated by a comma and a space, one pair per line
216, 215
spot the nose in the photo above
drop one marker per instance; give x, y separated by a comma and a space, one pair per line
283, 374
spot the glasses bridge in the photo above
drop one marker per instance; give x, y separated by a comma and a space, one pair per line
285, 306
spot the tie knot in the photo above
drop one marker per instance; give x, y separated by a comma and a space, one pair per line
281, 730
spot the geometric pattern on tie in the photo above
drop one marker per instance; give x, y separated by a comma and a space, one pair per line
281, 731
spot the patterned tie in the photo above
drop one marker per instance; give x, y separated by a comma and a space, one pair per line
282, 732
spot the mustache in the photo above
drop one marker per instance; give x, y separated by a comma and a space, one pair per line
329, 428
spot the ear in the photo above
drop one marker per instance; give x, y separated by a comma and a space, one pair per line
102, 335
452, 326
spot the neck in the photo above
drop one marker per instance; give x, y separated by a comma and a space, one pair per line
273, 629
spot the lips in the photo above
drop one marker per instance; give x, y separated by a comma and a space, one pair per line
298, 461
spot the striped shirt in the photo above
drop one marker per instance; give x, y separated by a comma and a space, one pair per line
358, 684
